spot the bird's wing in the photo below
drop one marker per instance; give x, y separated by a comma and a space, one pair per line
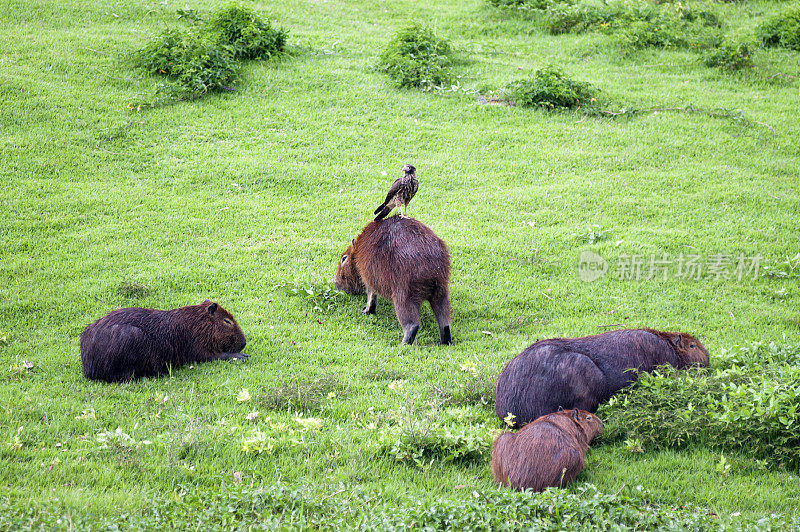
392, 191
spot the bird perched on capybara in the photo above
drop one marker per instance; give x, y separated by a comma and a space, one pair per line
400, 193
131, 343
400, 259
583, 372
551, 451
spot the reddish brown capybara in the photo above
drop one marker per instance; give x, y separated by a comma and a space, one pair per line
583, 372
548, 452
131, 343
401, 259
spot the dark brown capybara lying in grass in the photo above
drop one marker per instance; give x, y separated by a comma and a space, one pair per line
131, 343
548, 452
583, 372
400, 259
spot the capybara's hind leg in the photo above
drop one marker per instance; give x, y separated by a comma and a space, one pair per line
372, 303
408, 316
440, 303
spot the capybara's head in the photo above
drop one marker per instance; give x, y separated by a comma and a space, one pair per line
348, 278
409, 169
689, 349
590, 423
226, 335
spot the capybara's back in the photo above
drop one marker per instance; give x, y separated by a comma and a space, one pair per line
549, 452
583, 372
131, 343
401, 259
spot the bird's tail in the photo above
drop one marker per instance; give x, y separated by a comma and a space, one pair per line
382, 212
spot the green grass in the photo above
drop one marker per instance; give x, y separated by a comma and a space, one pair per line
237, 196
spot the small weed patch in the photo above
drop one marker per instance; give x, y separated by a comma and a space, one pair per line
417, 59
637, 24
474, 386
730, 56
323, 298
302, 395
551, 89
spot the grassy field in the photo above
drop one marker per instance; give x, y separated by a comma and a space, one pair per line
249, 197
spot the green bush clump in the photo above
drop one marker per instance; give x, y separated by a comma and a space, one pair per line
250, 37
551, 89
204, 57
730, 56
416, 58
782, 29
749, 402
195, 61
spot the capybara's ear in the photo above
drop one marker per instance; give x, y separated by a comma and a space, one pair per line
212, 308
575, 414
354, 241
678, 340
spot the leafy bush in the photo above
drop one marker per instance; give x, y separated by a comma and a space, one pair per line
416, 58
203, 58
782, 29
196, 62
551, 89
751, 403
730, 56
242, 29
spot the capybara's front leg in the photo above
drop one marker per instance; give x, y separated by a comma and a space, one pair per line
408, 316
231, 356
372, 303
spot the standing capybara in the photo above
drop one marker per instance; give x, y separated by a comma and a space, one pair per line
548, 452
131, 343
583, 372
400, 259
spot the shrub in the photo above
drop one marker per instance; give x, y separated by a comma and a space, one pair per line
751, 404
250, 37
782, 29
551, 89
730, 56
195, 60
417, 58
203, 58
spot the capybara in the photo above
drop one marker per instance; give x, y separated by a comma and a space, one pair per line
131, 343
548, 452
583, 372
401, 259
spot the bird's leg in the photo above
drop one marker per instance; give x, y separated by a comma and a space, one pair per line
403, 214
